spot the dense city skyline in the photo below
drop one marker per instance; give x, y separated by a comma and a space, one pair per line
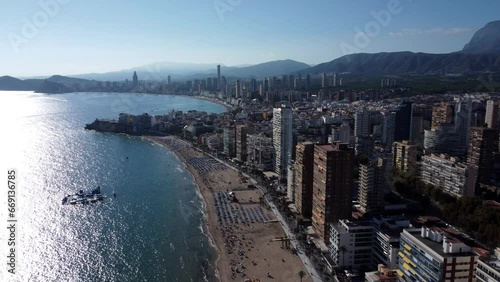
69, 37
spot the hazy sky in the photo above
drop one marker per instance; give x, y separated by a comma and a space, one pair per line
81, 36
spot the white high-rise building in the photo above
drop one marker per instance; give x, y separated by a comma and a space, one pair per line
492, 114
282, 139
488, 268
351, 243
371, 185
451, 176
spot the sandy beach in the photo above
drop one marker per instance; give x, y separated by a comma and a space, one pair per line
216, 101
245, 233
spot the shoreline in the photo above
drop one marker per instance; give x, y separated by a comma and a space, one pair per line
205, 216
252, 250
215, 101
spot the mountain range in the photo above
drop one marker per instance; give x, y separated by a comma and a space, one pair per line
181, 71
481, 54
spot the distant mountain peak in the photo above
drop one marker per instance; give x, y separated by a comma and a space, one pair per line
485, 41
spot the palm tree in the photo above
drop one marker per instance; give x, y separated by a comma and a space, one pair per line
302, 274
343, 249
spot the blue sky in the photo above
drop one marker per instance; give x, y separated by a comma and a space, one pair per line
77, 36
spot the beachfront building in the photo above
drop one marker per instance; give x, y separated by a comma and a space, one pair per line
404, 156
304, 168
332, 187
447, 173
351, 243
260, 152
371, 185
386, 233
229, 135
213, 141
434, 255
488, 268
241, 141
282, 139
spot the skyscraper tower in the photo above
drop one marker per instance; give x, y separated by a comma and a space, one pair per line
332, 186
362, 123
492, 114
483, 142
403, 124
238, 89
282, 139
218, 78
463, 112
324, 80
371, 185
135, 79
169, 80
253, 85
303, 166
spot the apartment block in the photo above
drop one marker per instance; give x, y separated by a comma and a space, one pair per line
332, 186
435, 255
351, 243
455, 178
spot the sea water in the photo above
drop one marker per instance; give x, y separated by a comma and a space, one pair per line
149, 232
